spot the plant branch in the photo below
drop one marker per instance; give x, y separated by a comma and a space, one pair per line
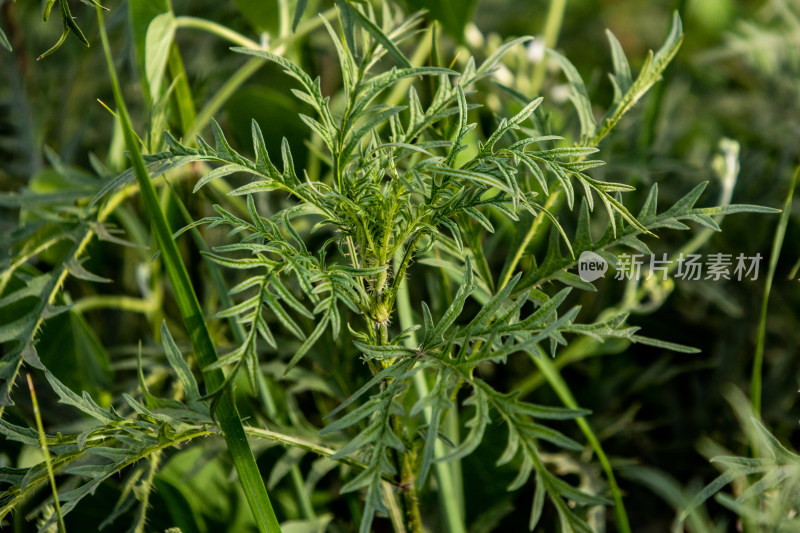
449, 497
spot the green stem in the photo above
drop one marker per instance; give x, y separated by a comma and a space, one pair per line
299, 488
284, 26
552, 27
227, 302
777, 244
183, 98
408, 489
46, 451
229, 421
148, 484
22, 258
586, 347
400, 272
264, 393
449, 492
122, 303
578, 350
216, 29
395, 515
508, 270
400, 90
403, 464
55, 287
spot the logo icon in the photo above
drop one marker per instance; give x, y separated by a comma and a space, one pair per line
591, 266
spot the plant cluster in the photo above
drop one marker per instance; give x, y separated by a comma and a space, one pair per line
304, 285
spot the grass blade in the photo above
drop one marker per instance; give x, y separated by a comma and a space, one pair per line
777, 244
229, 421
46, 451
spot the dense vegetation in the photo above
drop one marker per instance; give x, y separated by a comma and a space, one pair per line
314, 266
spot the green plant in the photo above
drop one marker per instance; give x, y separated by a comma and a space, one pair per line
765, 485
309, 274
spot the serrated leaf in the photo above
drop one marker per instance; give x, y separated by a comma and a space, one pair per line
487, 66
672, 346
622, 77
397, 369
76, 269
355, 137
490, 308
221, 172
480, 178
84, 403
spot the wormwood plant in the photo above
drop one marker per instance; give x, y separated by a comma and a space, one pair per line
325, 277
765, 485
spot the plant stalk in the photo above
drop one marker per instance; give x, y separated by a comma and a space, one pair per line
145, 501
540, 218
450, 496
216, 29
264, 393
183, 97
230, 86
408, 491
46, 452
403, 463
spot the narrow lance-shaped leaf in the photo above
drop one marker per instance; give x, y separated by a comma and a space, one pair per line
621, 78
454, 310
477, 426
178, 364
578, 95
376, 33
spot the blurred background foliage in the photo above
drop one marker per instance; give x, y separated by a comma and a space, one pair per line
659, 414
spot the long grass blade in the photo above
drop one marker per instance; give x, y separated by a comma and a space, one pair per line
46, 452
777, 244
229, 421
